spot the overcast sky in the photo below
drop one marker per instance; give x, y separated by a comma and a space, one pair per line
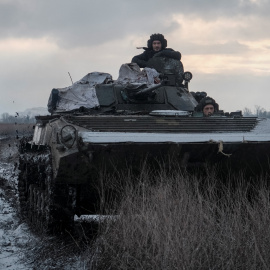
224, 43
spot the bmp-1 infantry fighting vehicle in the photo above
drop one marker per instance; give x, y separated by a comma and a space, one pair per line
98, 124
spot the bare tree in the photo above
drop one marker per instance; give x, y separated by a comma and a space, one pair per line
260, 112
247, 112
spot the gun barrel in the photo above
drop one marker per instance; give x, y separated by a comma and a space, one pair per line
148, 90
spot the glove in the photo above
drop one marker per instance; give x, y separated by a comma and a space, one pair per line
172, 54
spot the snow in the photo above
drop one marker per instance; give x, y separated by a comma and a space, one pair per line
14, 235
11, 240
20, 248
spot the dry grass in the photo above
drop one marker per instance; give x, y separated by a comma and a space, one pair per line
7, 129
182, 221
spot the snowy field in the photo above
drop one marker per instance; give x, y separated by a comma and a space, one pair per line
20, 248
14, 235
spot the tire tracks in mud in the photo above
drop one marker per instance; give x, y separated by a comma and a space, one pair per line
14, 235
20, 246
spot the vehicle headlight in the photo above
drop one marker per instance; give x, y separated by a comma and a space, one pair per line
187, 76
68, 136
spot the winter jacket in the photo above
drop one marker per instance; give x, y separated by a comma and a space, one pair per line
142, 59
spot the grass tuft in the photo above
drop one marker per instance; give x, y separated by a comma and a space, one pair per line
183, 221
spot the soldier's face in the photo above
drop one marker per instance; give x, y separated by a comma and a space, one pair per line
156, 45
208, 110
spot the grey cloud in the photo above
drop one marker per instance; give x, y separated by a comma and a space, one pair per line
86, 23
83, 22
233, 47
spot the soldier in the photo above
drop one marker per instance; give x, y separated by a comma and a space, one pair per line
156, 47
207, 106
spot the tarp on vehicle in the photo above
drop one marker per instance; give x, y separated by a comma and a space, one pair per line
80, 94
83, 93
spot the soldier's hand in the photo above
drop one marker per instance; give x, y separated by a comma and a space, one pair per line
156, 80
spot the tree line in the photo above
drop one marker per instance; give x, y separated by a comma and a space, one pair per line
20, 119
258, 111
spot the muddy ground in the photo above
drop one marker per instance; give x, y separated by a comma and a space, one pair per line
20, 246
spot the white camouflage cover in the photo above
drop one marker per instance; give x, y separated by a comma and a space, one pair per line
83, 93
131, 73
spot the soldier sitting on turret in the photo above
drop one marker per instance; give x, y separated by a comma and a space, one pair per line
156, 47
207, 106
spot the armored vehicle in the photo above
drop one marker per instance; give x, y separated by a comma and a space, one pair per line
99, 125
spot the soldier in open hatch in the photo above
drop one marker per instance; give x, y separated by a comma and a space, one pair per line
156, 47
207, 106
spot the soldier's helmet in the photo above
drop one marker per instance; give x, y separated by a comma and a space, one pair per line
207, 101
159, 37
